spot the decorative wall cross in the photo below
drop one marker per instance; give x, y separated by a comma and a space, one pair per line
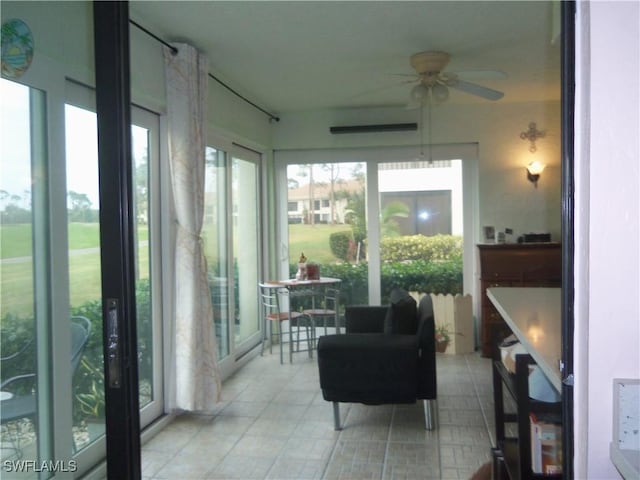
532, 135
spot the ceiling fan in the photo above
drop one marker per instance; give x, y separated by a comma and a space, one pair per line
434, 83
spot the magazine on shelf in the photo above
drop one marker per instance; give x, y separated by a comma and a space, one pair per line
546, 445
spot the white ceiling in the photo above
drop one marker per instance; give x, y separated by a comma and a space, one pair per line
307, 55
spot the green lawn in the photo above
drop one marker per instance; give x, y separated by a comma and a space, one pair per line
15, 240
16, 279
313, 240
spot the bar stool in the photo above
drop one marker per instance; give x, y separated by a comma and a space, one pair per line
328, 309
273, 314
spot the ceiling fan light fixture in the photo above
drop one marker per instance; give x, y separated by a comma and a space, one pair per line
440, 92
434, 81
419, 93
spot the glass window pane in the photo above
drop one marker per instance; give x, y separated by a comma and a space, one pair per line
84, 269
18, 365
421, 221
214, 232
245, 208
327, 222
140, 158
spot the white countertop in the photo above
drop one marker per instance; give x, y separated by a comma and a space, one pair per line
534, 315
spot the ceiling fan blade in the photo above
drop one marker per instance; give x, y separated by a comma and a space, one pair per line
475, 89
481, 74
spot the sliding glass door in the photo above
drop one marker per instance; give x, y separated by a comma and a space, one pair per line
25, 294
326, 208
215, 230
50, 273
375, 217
421, 225
231, 232
84, 261
246, 246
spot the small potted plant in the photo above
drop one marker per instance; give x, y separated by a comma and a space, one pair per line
442, 337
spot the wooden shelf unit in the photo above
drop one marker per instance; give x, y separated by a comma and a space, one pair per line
515, 452
513, 265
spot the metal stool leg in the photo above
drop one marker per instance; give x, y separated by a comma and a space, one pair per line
336, 416
430, 414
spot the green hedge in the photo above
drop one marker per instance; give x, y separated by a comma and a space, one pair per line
422, 276
340, 243
18, 331
420, 247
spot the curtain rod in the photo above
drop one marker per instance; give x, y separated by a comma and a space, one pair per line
175, 51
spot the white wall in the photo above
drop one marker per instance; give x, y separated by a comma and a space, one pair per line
506, 198
607, 323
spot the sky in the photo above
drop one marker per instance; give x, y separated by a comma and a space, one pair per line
81, 146
15, 150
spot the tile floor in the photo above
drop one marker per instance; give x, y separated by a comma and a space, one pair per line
274, 424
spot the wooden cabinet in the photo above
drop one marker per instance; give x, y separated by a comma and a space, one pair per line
513, 265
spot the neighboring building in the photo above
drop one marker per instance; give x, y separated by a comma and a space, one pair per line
303, 202
432, 192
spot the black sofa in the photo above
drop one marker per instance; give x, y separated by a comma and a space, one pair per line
387, 356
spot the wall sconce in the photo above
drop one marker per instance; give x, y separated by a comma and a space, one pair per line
534, 169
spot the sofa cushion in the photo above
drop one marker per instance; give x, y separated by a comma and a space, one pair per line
426, 326
402, 314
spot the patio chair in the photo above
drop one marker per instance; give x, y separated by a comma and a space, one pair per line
20, 390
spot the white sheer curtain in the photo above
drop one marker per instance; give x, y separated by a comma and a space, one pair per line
195, 375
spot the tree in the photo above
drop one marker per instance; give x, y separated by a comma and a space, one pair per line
142, 189
13, 212
356, 215
307, 170
334, 173
389, 226
80, 207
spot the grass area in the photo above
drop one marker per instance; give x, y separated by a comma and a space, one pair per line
16, 279
313, 240
16, 289
16, 295
15, 240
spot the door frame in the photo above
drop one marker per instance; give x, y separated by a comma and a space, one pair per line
113, 108
568, 81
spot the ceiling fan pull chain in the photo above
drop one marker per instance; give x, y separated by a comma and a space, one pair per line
422, 130
429, 126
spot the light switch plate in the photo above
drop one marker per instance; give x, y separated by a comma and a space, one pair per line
626, 413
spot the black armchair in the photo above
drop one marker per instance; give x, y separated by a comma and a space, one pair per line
386, 356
